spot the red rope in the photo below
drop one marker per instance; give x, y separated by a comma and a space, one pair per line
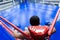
27, 36
53, 23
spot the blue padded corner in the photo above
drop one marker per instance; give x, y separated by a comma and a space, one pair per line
4, 35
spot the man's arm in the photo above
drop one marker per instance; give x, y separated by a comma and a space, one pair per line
48, 24
54, 30
19, 35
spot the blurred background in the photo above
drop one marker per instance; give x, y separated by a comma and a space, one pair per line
19, 12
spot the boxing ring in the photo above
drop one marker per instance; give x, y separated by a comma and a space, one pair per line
29, 10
